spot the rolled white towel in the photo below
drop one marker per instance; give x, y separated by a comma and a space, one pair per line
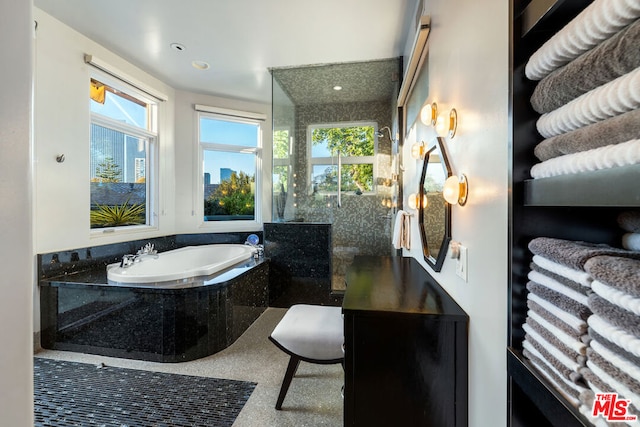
619, 298
610, 156
609, 100
616, 335
631, 241
596, 23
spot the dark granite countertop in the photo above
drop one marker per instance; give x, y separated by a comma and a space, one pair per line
97, 276
396, 285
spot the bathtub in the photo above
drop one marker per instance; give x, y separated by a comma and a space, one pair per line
180, 264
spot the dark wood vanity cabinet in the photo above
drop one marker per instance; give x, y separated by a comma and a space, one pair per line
406, 357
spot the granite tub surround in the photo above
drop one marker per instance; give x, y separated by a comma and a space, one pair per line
300, 262
186, 321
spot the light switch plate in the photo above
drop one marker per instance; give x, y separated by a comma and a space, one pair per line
461, 263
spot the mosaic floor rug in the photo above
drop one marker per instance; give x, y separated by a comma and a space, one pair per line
79, 394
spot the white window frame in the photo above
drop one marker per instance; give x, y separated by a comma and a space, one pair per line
152, 160
346, 160
238, 117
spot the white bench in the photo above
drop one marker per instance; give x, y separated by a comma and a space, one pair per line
312, 333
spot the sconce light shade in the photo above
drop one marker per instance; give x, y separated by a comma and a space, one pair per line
429, 114
455, 190
453, 122
414, 201
418, 150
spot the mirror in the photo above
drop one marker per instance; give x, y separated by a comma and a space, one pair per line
434, 216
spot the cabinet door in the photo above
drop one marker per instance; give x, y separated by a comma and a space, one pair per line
401, 370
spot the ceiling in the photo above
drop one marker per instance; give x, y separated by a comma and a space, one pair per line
240, 39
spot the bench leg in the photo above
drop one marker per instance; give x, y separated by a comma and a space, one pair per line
286, 382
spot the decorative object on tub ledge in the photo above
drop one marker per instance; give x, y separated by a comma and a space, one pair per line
402, 230
254, 241
456, 189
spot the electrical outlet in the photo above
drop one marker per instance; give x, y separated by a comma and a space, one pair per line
461, 263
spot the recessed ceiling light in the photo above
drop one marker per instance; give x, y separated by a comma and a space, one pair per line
178, 47
200, 65
337, 87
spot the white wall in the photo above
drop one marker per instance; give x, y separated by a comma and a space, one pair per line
468, 69
16, 253
62, 126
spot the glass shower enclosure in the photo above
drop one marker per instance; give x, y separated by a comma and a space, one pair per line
333, 150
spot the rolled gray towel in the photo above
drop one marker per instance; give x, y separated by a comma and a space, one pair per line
613, 347
619, 273
613, 130
561, 301
609, 60
574, 254
560, 278
629, 221
615, 315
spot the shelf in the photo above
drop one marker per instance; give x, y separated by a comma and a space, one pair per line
554, 407
615, 187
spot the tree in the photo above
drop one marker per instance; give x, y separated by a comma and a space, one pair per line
355, 141
108, 171
234, 196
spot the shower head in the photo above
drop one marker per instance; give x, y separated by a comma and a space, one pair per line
380, 134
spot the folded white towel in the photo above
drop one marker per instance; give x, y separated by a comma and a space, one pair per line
576, 323
618, 336
609, 100
552, 349
619, 362
617, 297
553, 284
578, 346
577, 276
610, 156
616, 385
631, 241
557, 386
402, 230
596, 23
551, 368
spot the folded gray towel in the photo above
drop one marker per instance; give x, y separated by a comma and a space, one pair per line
619, 273
615, 315
574, 254
561, 301
561, 279
609, 60
614, 348
611, 370
557, 380
629, 221
567, 351
567, 373
554, 320
614, 130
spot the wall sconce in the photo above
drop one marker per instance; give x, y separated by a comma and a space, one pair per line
446, 127
453, 122
429, 114
418, 150
414, 201
455, 190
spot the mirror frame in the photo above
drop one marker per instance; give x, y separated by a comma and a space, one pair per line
435, 261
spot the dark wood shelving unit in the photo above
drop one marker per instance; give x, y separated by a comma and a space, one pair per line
581, 207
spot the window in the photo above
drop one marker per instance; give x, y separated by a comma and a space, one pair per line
231, 161
123, 139
355, 145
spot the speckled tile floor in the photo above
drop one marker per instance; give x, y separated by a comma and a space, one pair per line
314, 398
